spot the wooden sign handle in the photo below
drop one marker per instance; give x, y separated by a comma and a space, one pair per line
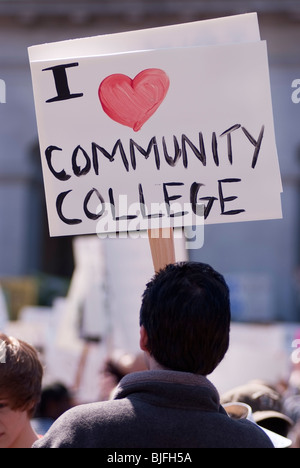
162, 247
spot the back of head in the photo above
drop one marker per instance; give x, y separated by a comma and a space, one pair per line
186, 314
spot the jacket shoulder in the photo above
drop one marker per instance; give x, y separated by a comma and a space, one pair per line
80, 427
251, 435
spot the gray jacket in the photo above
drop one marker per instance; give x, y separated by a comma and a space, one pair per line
155, 409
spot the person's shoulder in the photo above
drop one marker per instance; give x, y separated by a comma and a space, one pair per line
78, 427
251, 435
91, 411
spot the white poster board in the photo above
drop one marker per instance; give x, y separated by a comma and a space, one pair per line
161, 136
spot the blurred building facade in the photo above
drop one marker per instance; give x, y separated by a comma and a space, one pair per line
260, 259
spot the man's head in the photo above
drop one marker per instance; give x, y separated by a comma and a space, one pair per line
185, 317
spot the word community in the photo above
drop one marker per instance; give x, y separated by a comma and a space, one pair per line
158, 458
91, 161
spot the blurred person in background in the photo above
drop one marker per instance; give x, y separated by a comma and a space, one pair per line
116, 366
267, 408
291, 395
21, 375
55, 400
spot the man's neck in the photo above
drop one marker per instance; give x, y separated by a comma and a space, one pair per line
153, 364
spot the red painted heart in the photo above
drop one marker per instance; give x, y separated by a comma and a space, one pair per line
132, 102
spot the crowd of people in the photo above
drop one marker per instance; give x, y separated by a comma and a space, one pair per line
162, 397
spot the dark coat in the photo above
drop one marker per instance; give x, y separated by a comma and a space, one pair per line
155, 409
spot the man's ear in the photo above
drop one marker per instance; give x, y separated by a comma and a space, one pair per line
143, 339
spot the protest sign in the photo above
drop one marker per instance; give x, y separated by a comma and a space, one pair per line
158, 136
228, 30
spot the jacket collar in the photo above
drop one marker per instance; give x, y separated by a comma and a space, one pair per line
170, 389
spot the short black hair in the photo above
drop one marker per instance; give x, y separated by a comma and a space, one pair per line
186, 314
